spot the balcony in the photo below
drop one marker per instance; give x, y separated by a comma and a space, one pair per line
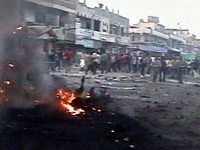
57, 4
65, 34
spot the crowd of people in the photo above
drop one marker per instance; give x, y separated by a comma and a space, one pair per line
145, 65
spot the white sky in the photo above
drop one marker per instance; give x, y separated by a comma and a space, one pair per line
170, 12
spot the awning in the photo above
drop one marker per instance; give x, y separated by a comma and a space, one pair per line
152, 48
173, 49
187, 56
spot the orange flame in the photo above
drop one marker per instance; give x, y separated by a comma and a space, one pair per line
19, 28
66, 99
11, 65
7, 82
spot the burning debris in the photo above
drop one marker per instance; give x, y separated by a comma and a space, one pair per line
75, 103
66, 100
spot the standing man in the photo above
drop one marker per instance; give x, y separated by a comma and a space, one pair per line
67, 60
148, 62
143, 66
181, 66
173, 67
155, 67
162, 69
135, 63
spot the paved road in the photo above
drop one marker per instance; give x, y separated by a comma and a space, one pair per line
75, 72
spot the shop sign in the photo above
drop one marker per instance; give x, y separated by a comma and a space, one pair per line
123, 40
97, 35
87, 33
103, 37
89, 43
111, 38
79, 40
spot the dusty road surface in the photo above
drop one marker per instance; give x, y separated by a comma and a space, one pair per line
169, 110
140, 115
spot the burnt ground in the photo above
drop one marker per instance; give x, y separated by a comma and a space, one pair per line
61, 132
150, 116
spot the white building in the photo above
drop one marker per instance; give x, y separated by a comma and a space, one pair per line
151, 36
98, 29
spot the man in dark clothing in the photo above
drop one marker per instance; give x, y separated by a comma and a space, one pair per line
142, 65
135, 64
148, 62
162, 69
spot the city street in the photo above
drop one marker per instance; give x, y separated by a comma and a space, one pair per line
168, 109
56, 91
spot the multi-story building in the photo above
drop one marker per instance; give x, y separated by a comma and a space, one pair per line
152, 37
190, 44
76, 25
98, 29
148, 36
60, 15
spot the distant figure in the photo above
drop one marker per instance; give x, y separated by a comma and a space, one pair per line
122, 62
135, 64
162, 69
104, 63
113, 65
181, 66
67, 60
195, 68
155, 67
173, 67
89, 61
142, 66
148, 62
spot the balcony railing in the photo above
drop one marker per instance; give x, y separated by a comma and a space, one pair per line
57, 4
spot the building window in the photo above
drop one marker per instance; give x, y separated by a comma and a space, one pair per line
122, 31
97, 25
133, 38
88, 25
105, 27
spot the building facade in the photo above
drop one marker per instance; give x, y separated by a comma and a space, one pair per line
98, 29
153, 37
60, 15
76, 25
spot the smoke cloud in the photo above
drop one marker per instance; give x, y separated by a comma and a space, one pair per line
23, 73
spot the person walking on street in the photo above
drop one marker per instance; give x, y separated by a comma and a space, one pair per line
143, 66
104, 63
122, 62
128, 62
113, 65
67, 60
148, 62
181, 66
155, 68
90, 64
162, 69
135, 64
